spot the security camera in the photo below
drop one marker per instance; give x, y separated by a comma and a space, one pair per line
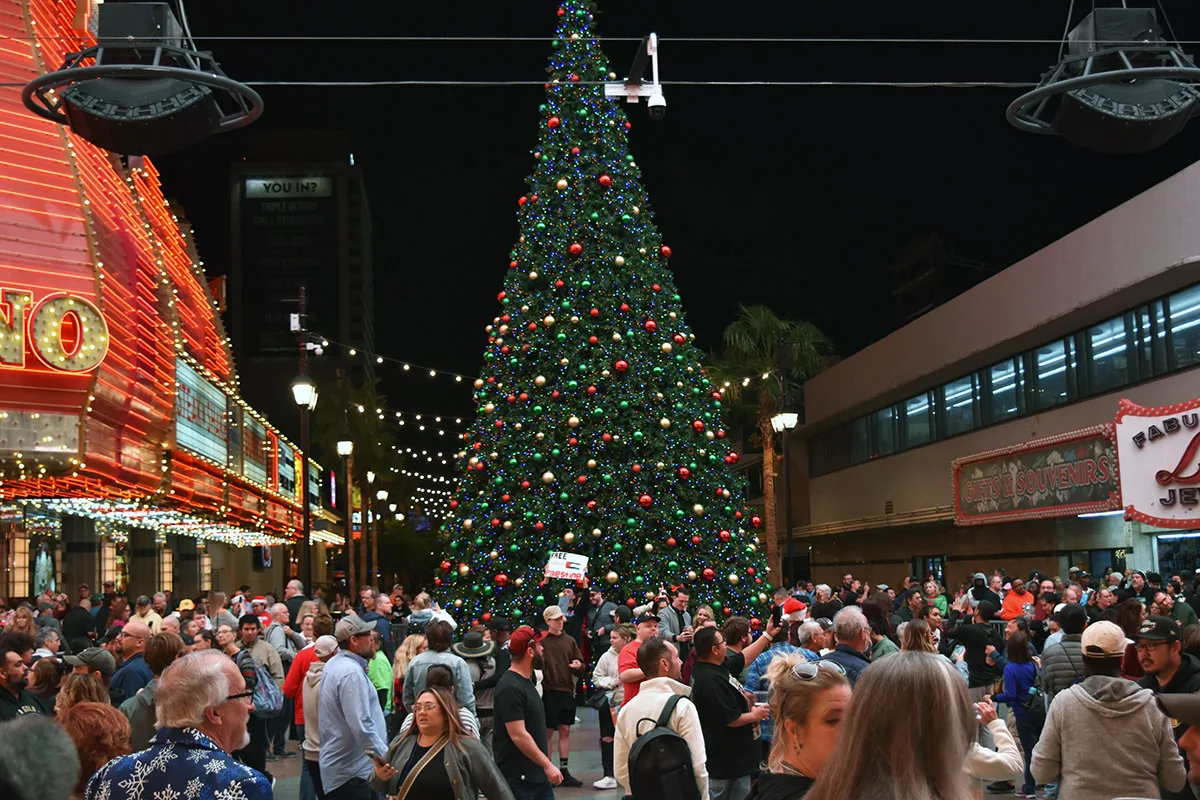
657, 106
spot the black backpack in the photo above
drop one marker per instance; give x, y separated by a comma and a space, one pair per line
660, 761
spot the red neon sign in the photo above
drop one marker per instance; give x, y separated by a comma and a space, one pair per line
64, 332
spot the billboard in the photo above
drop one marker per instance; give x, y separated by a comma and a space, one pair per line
286, 470
1059, 476
254, 450
201, 424
1160, 463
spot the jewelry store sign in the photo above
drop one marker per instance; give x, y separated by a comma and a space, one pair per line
1072, 473
1160, 463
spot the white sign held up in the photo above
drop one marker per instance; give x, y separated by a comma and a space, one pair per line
567, 566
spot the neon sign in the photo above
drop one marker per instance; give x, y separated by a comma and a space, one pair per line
64, 332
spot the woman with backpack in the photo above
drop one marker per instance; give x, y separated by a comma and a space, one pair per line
1020, 675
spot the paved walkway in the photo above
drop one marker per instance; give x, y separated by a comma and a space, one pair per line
585, 765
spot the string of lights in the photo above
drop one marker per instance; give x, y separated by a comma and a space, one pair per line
421, 421
407, 366
421, 454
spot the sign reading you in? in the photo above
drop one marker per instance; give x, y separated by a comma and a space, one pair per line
567, 566
1073, 473
1160, 463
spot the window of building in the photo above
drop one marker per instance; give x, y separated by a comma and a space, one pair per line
108, 561
883, 431
1005, 389
1108, 355
1151, 337
916, 426
1184, 328
166, 570
205, 572
960, 401
860, 442
1052, 363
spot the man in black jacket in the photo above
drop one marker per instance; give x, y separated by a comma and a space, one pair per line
599, 622
980, 591
1168, 671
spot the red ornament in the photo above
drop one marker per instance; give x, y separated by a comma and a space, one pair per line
636, 468
539, 526
593, 340
605, 181
533, 198
733, 458
523, 397
727, 610
749, 570
495, 522
506, 318
487, 616
512, 265
651, 325
685, 473
554, 122
628, 125
725, 536
719, 493
505, 497
572, 441
698, 425
575, 249
720, 434
505, 349
445, 566
591, 505
453, 504
666, 251
437, 581
555, 394
562, 12
679, 339
595, 312
656, 287
625, 307
522, 200
645, 501
755, 623
582, 479
606, 437
592, 390
502, 295
558, 284
709, 574
499, 423
573, 77
501, 579
621, 366
756, 521
574, 151
632, 603
671, 542
695, 540
524, 484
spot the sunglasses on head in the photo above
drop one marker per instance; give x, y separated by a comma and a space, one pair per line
807, 670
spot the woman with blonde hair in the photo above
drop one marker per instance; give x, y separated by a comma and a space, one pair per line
887, 760
808, 702
412, 646
917, 636
436, 757
22, 622
79, 688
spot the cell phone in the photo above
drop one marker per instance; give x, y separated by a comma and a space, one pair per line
371, 754
777, 616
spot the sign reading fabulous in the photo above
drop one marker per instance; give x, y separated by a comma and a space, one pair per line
1073, 473
1160, 463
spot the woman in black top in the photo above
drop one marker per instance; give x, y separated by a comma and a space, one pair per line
436, 759
808, 701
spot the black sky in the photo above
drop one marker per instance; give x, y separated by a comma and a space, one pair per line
795, 197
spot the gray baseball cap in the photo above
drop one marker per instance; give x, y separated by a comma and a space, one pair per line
96, 659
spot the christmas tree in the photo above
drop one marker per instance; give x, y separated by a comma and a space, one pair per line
597, 433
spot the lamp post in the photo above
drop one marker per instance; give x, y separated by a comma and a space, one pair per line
381, 496
783, 422
345, 449
304, 392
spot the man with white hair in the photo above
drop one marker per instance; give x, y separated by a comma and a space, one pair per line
853, 642
825, 605
202, 705
294, 597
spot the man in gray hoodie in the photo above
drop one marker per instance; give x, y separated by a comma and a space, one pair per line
1147, 756
325, 647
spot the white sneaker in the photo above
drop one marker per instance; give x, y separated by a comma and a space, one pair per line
607, 782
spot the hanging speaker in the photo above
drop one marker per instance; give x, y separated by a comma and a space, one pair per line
142, 89
1119, 88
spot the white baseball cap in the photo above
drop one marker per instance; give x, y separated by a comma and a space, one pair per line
1103, 640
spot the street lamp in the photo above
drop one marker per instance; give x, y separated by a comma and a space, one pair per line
345, 449
345, 445
784, 421
382, 495
304, 392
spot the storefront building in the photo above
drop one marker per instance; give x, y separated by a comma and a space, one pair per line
126, 452
980, 435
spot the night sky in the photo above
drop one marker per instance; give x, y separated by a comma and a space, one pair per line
797, 197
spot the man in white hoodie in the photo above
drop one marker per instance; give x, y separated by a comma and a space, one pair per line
325, 647
1146, 756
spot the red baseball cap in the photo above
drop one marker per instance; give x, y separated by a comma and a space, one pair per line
522, 637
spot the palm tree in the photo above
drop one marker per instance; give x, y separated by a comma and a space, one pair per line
765, 357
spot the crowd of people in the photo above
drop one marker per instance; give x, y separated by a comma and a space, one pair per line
1004, 682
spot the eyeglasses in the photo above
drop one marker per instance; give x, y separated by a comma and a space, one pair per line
1145, 647
241, 695
807, 670
424, 706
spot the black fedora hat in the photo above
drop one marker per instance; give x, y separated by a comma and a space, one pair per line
473, 646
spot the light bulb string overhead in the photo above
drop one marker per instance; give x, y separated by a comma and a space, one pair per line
407, 366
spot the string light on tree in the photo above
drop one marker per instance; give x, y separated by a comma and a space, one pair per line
592, 398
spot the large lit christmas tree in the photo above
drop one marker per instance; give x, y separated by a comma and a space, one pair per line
597, 433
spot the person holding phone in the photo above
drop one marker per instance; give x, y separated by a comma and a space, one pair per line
436, 759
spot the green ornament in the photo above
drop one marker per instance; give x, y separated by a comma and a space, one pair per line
630, 521
624, 404
673, 564
564, 496
639, 580
595, 215
626, 218
565, 304
587, 284
597, 412
541, 226
514, 548
716, 604
618, 547
562, 337
512, 462
607, 478
556, 452
537, 409
497, 480
478, 541
572, 384
537, 456
638, 436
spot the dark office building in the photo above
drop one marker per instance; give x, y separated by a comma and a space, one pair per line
300, 217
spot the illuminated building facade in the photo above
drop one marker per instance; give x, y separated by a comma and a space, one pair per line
126, 451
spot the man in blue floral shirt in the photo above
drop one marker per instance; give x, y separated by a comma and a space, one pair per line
203, 706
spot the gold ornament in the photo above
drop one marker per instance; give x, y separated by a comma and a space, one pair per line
494, 555
547, 477
507, 525
619, 261
666, 347
762, 597
479, 383
568, 537
698, 510
468, 524
691, 574
612, 577
518, 581
573, 422
539, 381
533, 276
597, 532
564, 361
664, 422
548, 321
637, 210
464, 570
458, 603
591, 463
710, 435
616, 338
562, 183
733, 579
649, 548
489, 408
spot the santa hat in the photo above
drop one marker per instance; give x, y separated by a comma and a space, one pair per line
794, 610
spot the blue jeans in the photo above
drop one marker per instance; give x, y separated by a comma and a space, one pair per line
728, 788
524, 790
1029, 739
